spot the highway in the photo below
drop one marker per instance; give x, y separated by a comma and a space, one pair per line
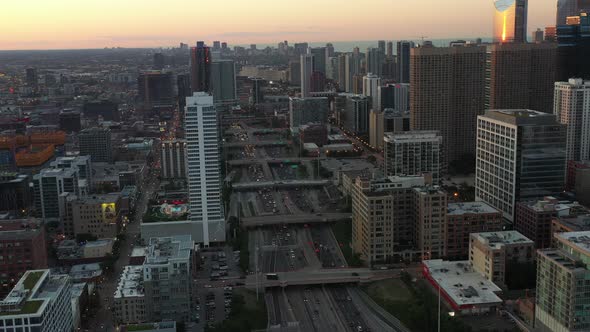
249, 222
255, 143
279, 184
269, 160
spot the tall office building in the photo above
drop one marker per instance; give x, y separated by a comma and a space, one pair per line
159, 61
353, 113
31, 77
562, 300
342, 72
395, 96
573, 41
371, 84
329, 50
223, 82
332, 68
430, 211
403, 61
183, 87
15, 194
203, 166
376, 129
307, 64
295, 73
521, 76
96, 143
447, 93
567, 8
572, 108
375, 59
352, 67
49, 187
389, 53
307, 110
383, 217
81, 163
173, 159
319, 59
520, 156
156, 88
200, 67
538, 36
40, 301
510, 21
413, 153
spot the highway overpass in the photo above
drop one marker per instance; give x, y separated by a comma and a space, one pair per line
256, 143
271, 161
250, 222
321, 277
245, 186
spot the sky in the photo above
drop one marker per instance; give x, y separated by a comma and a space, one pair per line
66, 24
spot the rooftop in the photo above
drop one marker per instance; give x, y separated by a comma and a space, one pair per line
497, 240
21, 229
577, 223
455, 209
130, 283
579, 240
552, 204
163, 249
521, 117
413, 136
161, 326
461, 283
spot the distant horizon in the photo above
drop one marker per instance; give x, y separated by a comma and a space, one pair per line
62, 24
436, 41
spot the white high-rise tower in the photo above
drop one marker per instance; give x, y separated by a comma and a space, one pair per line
203, 165
572, 108
371, 84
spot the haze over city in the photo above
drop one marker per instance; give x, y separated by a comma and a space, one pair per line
66, 24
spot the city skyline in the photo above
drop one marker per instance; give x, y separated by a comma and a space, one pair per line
59, 25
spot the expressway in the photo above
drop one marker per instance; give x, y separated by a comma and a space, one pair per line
321, 277
280, 184
256, 143
294, 160
293, 219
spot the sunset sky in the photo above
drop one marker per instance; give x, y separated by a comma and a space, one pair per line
58, 24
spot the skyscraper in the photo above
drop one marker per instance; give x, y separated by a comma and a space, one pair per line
353, 113
538, 36
352, 67
200, 67
395, 96
223, 81
566, 8
521, 76
159, 61
572, 108
156, 88
329, 50
49, 185
371, 84
389, 50
520, 156
381, 46
203, 165
319, 59
307, 110
413, 153
510, 21
306, 61
403, 61
375, 59
573, 48
447, 93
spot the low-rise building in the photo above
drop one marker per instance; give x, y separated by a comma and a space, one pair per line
86, 272
534, 219
465, 290
129, 298
97, 215
40, 302
23, 247
464, 219
489, 253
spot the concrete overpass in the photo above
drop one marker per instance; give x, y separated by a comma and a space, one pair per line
279, 184
256, 143
321, 277
270, 161
293, 219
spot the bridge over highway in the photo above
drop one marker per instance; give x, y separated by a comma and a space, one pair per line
270, 161
255, 143
279, 184
293, 219
321, 277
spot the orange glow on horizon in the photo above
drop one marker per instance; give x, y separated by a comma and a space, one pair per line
504, 28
